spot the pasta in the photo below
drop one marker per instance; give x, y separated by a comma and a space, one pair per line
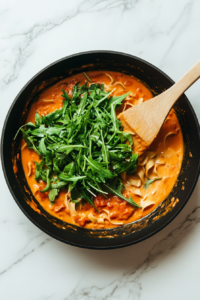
120, 83
29, 169
112, 80
70, 206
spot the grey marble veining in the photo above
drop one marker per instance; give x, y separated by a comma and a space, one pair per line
33, 266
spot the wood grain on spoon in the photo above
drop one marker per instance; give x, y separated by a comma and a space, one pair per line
146, 119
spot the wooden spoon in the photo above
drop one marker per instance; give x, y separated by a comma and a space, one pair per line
146, 119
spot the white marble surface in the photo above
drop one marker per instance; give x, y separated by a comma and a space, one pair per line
34, 266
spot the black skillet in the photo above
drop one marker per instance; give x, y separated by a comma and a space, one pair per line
124, 235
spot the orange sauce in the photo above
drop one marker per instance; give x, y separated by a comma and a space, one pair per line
168, 150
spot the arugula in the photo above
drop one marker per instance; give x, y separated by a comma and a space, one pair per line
115, 188
150, 181
52, 195
82, 146
87, 77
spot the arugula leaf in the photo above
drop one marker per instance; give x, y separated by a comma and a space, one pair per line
48, 181
104, 98
117, 193
98, 167
105, 151
75, 195
54, 130
52, 195
26, 138
116, 122
29, 141
58, 185
70, 168
50, 118
66, 148
82, 104
88, 78
66, 96
66, 178
56, 166
128, 167
117, 100
30, 124
39, 170
86, 196
42, 147
38, 120
150, 181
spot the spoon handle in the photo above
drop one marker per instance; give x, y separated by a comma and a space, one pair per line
147, 118
183, 84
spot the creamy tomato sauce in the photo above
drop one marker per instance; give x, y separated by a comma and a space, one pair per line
162, 161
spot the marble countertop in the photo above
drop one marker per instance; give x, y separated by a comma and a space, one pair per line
33, 266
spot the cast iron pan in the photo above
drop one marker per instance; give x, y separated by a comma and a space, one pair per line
124, 235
